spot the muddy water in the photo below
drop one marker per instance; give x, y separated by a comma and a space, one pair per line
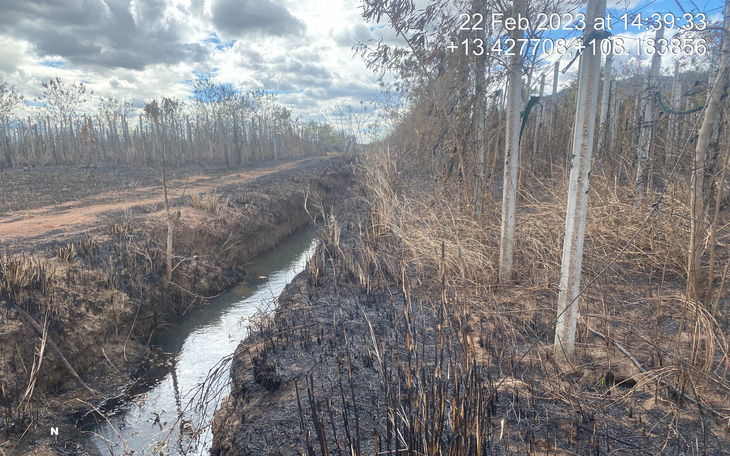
161, 409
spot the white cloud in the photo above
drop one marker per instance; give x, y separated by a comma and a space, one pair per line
141, 49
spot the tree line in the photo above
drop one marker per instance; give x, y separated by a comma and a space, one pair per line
218, 125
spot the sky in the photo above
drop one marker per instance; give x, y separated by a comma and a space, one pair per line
637, 54
143, 49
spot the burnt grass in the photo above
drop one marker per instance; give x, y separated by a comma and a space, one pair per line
399, 365
102, 302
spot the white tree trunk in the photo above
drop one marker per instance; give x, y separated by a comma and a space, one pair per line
511, 156
481, 120
697, 201
168, 216
605, 98
613, 114
673, 118
538, 123
553, 111
647, 122
575, 219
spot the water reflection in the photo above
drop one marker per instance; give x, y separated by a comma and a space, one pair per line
153, 420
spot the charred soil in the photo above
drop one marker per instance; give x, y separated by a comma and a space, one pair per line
96, 290
398, 338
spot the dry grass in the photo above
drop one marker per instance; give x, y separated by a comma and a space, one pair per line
90, 248
25, 273
121, 229
417, 237
209, 202
67, 253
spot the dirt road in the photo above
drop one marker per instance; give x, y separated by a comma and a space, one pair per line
74, 217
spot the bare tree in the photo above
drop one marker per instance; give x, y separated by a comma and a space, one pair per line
480, 114
605, 107
674, 118
64, 99
153, 112
115, 113
9, 99
350, 123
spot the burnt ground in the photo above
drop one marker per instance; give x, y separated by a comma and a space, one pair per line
31, 187
349, 366
60, 203
97, 282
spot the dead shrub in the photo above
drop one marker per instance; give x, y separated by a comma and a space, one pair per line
121, 229
210, 202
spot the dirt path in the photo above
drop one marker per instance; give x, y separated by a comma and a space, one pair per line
77, 216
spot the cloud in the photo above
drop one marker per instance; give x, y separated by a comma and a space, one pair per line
141, 49
112, 33
12, 55
50, 12
347, 37
65, 45
236, 18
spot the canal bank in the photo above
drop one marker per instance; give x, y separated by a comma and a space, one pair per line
103, 303
164, 412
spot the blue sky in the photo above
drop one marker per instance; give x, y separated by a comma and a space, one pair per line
636, 55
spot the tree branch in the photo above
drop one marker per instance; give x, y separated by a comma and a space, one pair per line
29, 319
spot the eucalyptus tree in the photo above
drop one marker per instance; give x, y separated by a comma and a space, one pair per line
170, 118
9, 100
673, 118
603, 123
63, 101
350, 124
214, 101
448, 59
114, 113
511, 153
280, 118
577, 207
418, 66
480, 106
712, 113
646, 124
